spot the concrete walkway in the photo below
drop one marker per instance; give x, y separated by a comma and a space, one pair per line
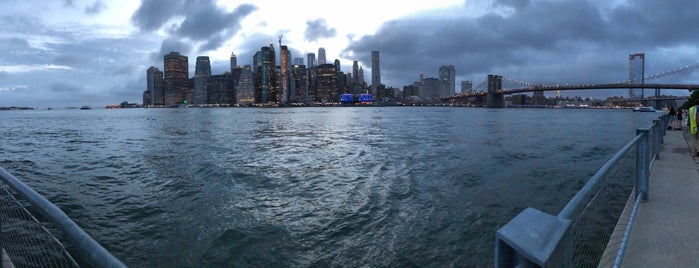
666, 230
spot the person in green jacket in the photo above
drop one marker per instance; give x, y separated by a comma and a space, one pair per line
692, 114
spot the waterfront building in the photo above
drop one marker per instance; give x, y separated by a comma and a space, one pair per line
326, 84
265, 75
300, 80
466, 86
355, 72
430, 88
411, 91
176, 79
312, 83
447, 76
202, 72
245, 87
636, 74
285, 62
321, 56
311, 60
154, 86
220, 92
375, 71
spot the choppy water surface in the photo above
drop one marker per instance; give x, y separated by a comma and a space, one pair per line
392, 186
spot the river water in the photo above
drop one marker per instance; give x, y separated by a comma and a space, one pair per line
299, 187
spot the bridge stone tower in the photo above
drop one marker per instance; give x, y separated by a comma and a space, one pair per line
495, 98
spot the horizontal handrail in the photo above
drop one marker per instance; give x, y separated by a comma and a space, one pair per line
570, 208
88, 247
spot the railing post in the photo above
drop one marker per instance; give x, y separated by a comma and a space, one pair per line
534, 239
656, 137
642, 165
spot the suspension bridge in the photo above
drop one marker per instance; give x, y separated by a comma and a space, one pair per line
493, 92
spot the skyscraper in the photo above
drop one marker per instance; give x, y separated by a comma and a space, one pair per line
284, 74
355, 72
176, 78
327, 84
202, 72
265, 76
337, 65
321, 56
300, 78
361, 81
636, 74
447, 76
298, 61
466, 86
311, 60
245, 89
234, 60
155, 83
375, 71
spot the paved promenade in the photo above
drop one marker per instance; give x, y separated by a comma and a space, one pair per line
666, 229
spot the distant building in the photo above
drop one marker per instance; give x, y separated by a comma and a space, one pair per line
245, 88
311, 60
466, 86
327, 84
430, 88
265, 75
202, 72
285, 65
155, 85
298, 61
321, 56
355, 72
221, 89
176, 79
234, 61
375, 71
636, 74
447, 76
300, 78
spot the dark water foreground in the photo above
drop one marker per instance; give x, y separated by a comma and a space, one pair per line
392, 186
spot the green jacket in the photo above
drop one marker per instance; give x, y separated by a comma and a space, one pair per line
693, 119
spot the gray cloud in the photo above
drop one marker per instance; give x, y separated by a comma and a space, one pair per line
152, 14
318, 29
539, 41
204, 22
96, 7
171, 44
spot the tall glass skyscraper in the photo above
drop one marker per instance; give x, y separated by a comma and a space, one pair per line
636, 74
321, 56
202, 73
375, 71
245, 89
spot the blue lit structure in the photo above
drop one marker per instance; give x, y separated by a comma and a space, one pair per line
365, 98
347, 98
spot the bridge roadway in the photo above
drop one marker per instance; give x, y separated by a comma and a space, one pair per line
689, 87
665, 232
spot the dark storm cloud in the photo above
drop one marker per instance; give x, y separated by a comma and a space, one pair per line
538, 41
152, 14
96, 7
318, 29
204, 22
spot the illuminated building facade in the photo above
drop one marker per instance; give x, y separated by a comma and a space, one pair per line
326, 84
176, 83
245, 88
447, 76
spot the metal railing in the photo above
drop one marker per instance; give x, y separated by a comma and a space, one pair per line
580, 234
29, 243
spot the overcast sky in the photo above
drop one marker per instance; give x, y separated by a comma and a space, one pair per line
96, 52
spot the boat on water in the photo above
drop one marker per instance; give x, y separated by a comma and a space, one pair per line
86, 108
644, 109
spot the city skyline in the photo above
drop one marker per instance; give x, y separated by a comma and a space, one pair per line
94, 52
